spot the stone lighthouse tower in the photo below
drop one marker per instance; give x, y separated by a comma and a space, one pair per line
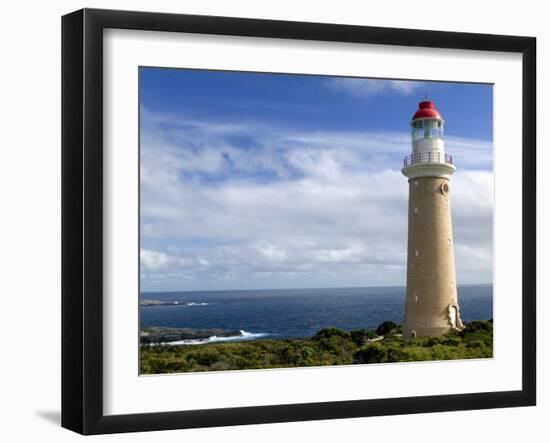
431, 306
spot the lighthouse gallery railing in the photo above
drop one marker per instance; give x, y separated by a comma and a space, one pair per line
427, 157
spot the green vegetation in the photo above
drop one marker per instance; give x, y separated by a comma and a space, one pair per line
330, 346
388, 327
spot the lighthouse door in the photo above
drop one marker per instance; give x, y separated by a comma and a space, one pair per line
452, 316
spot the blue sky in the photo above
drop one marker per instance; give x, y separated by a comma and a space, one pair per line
273, 181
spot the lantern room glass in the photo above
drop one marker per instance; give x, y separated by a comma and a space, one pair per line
428, 128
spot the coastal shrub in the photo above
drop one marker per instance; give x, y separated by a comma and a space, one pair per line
475, 344
204, 357
416, 353
341, 346
374, 353
394, 354
442, 352
331, 346
386, 327
392, 338
222, 365
453, 341
430, 341
478, 331
478, 325
331, 332
361, 336
380, 353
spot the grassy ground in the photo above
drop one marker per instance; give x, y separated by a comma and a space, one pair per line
330, 346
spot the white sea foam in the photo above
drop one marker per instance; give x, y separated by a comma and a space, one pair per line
245, 336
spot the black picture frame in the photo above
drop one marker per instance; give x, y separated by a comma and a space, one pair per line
82, 218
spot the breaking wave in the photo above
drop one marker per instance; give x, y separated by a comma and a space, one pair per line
245, 336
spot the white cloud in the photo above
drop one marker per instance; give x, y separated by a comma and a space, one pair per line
296, 209
366, 88
470, 153
153, 260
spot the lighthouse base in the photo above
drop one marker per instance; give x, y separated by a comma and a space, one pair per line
410, 333
446, 320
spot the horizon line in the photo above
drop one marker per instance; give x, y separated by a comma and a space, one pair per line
290, 289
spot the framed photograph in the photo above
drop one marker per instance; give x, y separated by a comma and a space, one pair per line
269, 221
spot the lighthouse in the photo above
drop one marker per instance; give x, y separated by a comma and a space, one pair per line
431, 306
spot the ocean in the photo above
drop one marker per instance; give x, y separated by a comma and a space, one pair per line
287, 313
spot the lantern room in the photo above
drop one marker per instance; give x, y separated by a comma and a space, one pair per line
427, 129
427, 143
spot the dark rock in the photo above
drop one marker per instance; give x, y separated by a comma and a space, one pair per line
154, 335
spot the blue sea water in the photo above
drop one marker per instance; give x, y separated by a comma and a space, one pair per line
285, 313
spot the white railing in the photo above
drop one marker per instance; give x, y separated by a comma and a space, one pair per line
427, 157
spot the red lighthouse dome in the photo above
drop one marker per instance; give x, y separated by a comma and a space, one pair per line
426, 109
